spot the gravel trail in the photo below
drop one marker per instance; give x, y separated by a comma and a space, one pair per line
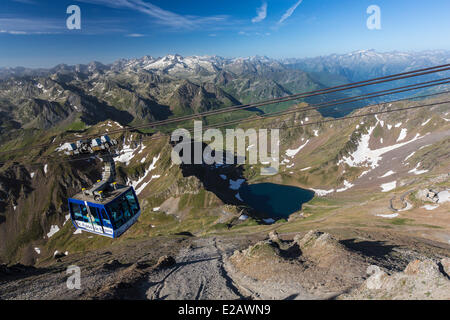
199, 274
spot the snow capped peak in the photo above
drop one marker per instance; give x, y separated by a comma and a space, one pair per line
147, 59
172, 57
367, 51
175, 64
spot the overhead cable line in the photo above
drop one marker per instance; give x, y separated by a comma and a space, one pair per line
284, 127
304, 109
395, 77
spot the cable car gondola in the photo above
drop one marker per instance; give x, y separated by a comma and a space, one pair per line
110, 217
107, 209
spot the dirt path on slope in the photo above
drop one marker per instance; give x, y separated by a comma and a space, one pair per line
201, 270
131, 273
199, 274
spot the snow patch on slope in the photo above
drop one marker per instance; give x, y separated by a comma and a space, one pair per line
364, 156
322, 193
416, 171
430, 207
444, 196
388, 186
388, 216
53, 230
141, 182
127, 154
409, 156
402, 135
347, 185
293, 153
387, 174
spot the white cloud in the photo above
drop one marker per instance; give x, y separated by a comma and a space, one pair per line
244, 33
25, 1
261, 13
21, 26
289, 12
160, 16
135, 35
14, 32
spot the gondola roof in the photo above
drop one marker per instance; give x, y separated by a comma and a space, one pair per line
108, 196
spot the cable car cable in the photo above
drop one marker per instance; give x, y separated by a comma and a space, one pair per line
304, 109
349, 86
301, 125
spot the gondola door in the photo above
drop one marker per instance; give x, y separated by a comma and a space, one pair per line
87, 223
95, 218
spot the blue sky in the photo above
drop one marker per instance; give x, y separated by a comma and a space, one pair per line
33, 33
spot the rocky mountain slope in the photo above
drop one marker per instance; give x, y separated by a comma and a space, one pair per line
374, 178
147, 89
202, 199
311, 265
139, 90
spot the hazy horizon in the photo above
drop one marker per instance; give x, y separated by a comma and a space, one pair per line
35, 34
216, 55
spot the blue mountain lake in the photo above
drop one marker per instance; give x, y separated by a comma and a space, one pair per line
277, 201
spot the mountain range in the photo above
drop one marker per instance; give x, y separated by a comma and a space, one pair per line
140, 90
359, 65
378, 183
